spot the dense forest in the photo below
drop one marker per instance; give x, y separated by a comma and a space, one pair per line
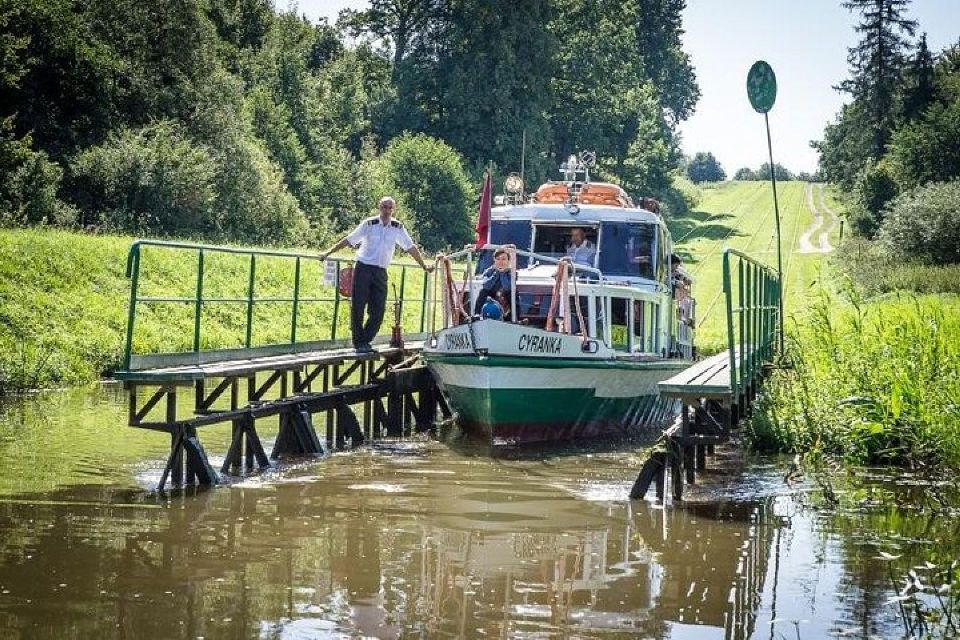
228, 120
895, 146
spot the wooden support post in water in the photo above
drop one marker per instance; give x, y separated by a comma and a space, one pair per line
676, 470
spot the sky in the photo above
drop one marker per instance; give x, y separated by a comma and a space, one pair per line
805, 41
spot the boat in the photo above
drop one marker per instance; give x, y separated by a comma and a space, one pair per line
580, 345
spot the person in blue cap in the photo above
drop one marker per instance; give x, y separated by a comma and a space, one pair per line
495, 282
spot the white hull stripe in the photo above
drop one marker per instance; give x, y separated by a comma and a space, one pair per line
614, 383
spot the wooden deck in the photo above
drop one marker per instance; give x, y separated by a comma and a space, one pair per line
243, 367
708, 379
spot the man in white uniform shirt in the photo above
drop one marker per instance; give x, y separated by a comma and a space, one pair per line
377, 238
581, 250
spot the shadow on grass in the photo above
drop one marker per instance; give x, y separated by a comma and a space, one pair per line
694, 225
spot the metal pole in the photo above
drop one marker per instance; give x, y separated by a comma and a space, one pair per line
133, 272
776, 211
296, 301
198, 303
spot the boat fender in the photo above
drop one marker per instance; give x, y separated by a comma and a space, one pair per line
491, 310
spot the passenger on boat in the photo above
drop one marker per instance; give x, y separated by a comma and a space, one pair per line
581, 250
495, 283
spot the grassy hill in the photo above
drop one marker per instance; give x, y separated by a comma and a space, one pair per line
64, 296
740, 215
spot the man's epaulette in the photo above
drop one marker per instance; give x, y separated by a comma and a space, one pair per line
395, 223
373, 220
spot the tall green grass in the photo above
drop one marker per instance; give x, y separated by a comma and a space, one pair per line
868, 382
875, 272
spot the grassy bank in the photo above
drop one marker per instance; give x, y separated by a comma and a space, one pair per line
64, 298
870, 382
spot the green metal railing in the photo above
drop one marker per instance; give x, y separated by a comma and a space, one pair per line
753, 324
251, 299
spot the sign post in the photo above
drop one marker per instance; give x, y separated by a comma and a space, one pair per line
762, 92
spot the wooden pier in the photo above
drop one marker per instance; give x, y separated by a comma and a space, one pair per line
295, 380
396, 401
717, 392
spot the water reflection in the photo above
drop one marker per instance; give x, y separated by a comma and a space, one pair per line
418, 540
428, 544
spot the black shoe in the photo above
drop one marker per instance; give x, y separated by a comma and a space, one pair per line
364, 348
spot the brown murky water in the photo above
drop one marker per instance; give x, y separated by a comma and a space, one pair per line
417, 539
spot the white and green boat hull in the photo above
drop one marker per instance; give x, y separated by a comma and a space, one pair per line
519, 398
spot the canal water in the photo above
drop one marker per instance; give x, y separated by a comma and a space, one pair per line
421, 539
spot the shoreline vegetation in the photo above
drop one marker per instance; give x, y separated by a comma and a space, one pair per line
872, 366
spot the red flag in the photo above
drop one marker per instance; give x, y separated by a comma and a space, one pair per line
483, 215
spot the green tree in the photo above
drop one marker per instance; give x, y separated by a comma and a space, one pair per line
928, 149
924, 223
496, 82
845, 146
874, 189
150, 180
433, 192
780, 172
703, 167
744, 173
919, 89
876, 63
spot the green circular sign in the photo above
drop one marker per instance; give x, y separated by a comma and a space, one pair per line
761, 86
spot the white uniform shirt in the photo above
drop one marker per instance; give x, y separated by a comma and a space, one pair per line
377, 242
584, 254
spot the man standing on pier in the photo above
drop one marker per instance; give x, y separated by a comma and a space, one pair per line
377, 237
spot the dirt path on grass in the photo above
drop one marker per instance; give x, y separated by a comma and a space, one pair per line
822, 243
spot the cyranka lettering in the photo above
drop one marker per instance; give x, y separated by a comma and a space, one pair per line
456, 341
540, 344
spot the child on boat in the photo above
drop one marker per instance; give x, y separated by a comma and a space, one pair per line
495, 282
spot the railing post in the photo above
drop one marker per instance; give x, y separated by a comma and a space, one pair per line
296, 302
728, 294
250, 284
741, 325
423, 298
133, 272
336, 302
198, 304
403, 287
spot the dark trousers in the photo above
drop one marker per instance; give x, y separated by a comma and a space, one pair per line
369, 297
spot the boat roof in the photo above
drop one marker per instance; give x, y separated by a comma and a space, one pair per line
573, 214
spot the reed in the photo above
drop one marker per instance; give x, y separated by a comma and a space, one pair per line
868, 382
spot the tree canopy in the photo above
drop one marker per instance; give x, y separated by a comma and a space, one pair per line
704, 167
230, 120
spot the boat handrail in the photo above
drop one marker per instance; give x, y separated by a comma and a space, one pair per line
536, 256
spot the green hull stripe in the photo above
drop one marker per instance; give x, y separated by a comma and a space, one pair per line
551, 406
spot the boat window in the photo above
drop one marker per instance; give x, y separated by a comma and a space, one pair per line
627, 249
515, 232
553, 241
663, 254
618, 324
639, 324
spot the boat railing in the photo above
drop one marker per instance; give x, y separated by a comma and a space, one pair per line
467, 254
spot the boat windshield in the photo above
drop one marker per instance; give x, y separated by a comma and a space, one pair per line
628, 249
577, 242
515, 232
